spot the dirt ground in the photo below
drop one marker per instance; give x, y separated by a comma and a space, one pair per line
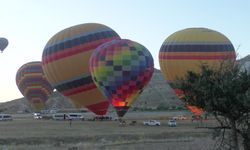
25, 133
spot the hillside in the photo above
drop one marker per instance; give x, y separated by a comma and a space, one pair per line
157, 94
244, 60
245, 63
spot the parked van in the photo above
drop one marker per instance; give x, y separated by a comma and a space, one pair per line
76, 116
5, 117
60, 116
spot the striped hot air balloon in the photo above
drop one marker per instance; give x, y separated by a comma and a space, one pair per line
121, 69
65, 63
186, 49
33, 84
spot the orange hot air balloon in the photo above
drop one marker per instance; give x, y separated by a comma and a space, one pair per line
33, 84
186, 49
65, 63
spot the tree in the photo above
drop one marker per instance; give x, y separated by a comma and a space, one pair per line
224, 93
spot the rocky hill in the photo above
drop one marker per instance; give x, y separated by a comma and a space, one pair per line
157, 94
244, 60
245, 63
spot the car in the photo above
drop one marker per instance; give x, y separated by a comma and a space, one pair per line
5, 117
172, 123
182, 118
115, 119
37, 116
102, 118
152, 123
179, 117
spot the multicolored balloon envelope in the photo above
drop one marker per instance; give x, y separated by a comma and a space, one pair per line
65, 63
3, 44
33, 84
185, 50
121, 69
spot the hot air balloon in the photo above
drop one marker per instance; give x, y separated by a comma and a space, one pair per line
3, 44
65, 63
121, 69
33, 84
186, 49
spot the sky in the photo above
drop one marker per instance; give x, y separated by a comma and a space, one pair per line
29, 24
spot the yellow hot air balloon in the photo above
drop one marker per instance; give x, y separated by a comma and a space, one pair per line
65, 63
186, 49
33, 84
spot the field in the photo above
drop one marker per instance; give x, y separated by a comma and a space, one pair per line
25, 133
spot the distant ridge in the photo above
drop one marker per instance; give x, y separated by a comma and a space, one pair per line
244, 60
157, 94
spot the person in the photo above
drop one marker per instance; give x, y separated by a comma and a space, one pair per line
70, 122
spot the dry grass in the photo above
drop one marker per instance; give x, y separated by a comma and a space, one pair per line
25, 133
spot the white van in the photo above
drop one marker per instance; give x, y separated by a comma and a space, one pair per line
60, 116
76, 116
5, 117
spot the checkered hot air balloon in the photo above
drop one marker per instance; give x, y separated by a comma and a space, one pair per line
33, 84
65, 63
187, 49
121, 69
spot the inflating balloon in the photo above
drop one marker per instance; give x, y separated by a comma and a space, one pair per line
121, 69
33, 84
185, 50
3, 44
65, 63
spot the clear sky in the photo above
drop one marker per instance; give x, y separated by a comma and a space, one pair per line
29, 24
